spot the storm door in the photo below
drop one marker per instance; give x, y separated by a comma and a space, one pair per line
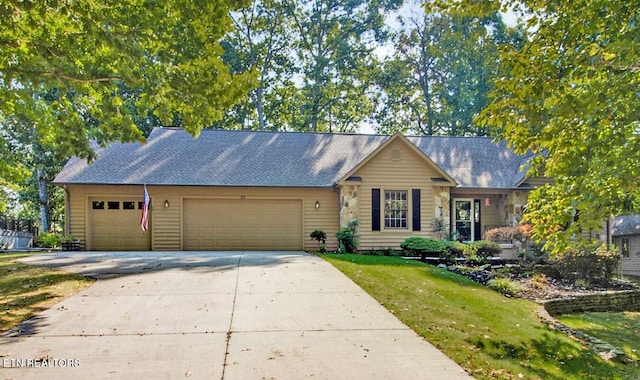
466, 219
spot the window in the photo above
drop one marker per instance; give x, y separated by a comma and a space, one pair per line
624, 247
113, 205
128, 205
98, 205
395, 209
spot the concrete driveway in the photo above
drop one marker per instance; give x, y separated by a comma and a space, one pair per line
215, 315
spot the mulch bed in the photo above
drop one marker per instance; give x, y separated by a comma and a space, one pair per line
537, 286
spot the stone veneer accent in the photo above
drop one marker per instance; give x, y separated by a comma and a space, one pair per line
348, 205
442, 208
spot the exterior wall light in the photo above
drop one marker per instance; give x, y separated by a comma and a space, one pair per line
166, 204
317, 204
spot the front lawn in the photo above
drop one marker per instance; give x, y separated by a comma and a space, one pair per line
486, 333
26, 290
619, 329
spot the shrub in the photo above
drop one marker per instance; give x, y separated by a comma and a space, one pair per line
319, 235
539, 280
505, 286
347, 240
478, 251
593, 264
424, 247
49, 240
509, 234
535, 254
485, 248
455, 248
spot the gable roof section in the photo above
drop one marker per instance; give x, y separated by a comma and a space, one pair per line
625, 225
225, 158
447, 178
283, 159
474, 162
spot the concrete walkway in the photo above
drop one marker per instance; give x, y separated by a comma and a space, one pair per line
215, 315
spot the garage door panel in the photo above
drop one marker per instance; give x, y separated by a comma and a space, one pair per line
256, 224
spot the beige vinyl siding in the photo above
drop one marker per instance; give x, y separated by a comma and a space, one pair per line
630, 265
384, 172
77, 203
166, 223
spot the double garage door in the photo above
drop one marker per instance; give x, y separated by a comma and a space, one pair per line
242, 224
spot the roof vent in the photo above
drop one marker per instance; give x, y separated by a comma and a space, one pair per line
396, 154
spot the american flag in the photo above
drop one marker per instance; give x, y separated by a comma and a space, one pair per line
144, 219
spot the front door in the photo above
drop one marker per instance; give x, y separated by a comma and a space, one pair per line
466, 219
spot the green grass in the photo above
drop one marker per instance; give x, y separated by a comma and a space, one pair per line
26, 290
486, 333
619, 329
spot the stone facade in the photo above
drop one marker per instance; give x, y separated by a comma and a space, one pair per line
348, 205
442, 209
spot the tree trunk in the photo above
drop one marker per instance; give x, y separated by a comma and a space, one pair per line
257, 101
43, 200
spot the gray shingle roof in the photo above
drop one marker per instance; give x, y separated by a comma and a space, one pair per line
477, 162
625, 225
283, 159
226, 158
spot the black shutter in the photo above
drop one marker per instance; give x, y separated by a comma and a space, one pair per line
415, 208
375, 209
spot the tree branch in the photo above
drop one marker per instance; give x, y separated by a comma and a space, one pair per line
79, 80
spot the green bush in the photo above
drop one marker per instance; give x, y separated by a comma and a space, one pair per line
425, 247
319, 235
455, 248
478, 251
49, 240
485, 248
347, 239
594, 264
52, 240
505, 286
419, 246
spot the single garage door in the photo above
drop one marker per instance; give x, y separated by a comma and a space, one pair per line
242, 224
115, 225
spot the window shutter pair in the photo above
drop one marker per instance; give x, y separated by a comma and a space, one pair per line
375, 209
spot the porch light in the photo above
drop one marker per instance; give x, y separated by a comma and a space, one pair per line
487, 201
317, 204
166, 204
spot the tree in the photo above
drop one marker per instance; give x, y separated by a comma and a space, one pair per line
334, 47
169, 51
569, 97
260, 41
87, 52
438, 77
